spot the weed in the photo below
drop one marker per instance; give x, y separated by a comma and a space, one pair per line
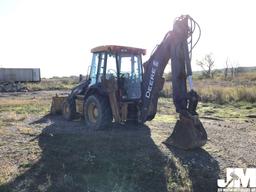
64, 83
222, 95
219, 94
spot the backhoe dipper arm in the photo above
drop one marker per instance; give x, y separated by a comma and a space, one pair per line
175, 47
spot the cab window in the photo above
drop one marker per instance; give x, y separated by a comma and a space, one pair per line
111, 70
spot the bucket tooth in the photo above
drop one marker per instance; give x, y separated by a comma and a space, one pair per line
188, 133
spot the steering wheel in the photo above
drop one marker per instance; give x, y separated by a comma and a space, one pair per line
125, 75
112, 72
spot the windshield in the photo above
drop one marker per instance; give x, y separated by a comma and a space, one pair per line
130, 66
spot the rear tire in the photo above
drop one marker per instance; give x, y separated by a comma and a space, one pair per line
68, 110
97, 112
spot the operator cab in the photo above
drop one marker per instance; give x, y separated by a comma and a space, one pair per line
124, 64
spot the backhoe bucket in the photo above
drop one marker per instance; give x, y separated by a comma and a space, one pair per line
187, 134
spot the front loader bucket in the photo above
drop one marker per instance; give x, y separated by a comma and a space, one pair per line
57, 103
187, 134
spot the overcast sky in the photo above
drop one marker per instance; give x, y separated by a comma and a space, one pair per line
57, 35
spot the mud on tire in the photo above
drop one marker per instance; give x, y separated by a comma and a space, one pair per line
97, 112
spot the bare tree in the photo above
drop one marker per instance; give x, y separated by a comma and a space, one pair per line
231, 67
232, 72
226, 70
236, 69
207, 64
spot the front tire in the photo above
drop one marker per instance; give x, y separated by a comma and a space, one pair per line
97, 112
68, 110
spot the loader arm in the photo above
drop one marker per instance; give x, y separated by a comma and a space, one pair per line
177, 46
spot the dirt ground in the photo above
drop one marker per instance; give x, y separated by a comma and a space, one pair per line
40, 152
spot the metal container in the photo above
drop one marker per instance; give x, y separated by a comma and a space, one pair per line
20, 75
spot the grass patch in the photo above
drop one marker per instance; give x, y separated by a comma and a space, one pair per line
231, 110
27, 131
241, 88
165, 106
35, 107
56, 83
11, 116
165, 118
25, 165
7, 171
3, 131
166, 110
222, 95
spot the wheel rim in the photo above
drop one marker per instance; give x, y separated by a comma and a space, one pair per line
93, 112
